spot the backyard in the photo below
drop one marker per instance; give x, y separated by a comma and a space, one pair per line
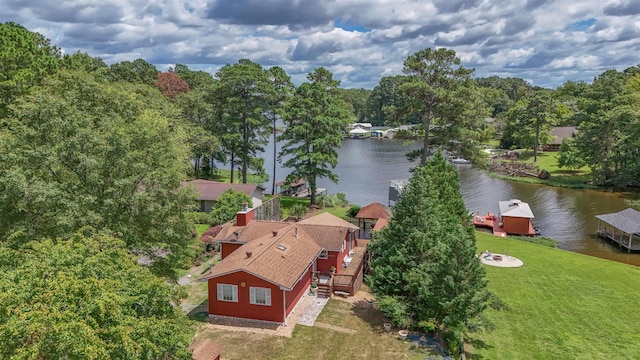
559, 305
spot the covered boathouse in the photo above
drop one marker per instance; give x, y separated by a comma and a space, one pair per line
622, 227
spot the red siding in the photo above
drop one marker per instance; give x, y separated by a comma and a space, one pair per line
242, 308
243, 217
226, 249
296, 293
334, 258
516, 225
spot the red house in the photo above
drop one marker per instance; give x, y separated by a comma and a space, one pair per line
267, 266
265, 278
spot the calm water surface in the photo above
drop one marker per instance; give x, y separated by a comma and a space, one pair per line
366, 166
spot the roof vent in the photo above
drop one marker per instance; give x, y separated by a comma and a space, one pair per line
275, 232
281, 247
249, 253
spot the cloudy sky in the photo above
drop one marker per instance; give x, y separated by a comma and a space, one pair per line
545, 42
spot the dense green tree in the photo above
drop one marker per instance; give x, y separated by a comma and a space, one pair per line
608, 139
386, 103
439, 91
570, 156
79, 152
26, 58
205, 146
283, 88
357, 99
197, 80
425, 259
86, 298
530, 120
138, 71
515, 88
83, 61
241, 97
227, 205
315, 118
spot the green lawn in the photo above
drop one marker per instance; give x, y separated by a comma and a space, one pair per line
561, 177
224, 175
562, 305
343, 331
201, 228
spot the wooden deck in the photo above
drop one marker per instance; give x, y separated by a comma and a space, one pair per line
489, 221
349, 279
621, 239
307, 193
492, 222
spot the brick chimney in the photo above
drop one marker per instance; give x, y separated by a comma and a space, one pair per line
244, 216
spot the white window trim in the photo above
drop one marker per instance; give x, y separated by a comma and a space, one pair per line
324, 254
234, 292
252, 296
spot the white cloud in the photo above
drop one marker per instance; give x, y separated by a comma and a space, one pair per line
547, 42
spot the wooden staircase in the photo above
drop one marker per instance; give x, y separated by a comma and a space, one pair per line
325, 288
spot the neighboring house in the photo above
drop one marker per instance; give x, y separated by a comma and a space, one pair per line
209, 191
363, 126
267, 266
294, 188
558, 134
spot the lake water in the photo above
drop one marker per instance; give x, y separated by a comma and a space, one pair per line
366, 166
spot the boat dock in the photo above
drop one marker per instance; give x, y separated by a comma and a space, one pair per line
489, 221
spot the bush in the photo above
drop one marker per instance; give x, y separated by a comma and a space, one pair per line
199, 217
298, 211
395, 311
337, 200
353, 211
538, 240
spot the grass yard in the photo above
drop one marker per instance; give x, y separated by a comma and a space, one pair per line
343, 331
562, 305
201, 228
224, 175
286, 202
560, 177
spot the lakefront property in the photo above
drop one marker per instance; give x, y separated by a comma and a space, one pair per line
267, 266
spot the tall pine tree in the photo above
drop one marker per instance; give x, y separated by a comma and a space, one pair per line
425, 260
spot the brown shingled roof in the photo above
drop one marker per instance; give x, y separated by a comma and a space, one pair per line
253, 230
211, 190
279, 259
205, 349
328, 219
328, 237
380, 224
558, 133
374, 211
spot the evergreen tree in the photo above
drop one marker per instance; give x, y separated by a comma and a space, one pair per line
315, 118
437, 90
425, 258
241, 96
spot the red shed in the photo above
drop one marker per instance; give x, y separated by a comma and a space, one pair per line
515, 217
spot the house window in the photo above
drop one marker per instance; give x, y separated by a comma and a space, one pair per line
228, 292
260, 296
323, 254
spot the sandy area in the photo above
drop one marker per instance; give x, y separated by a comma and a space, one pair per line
506, 261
